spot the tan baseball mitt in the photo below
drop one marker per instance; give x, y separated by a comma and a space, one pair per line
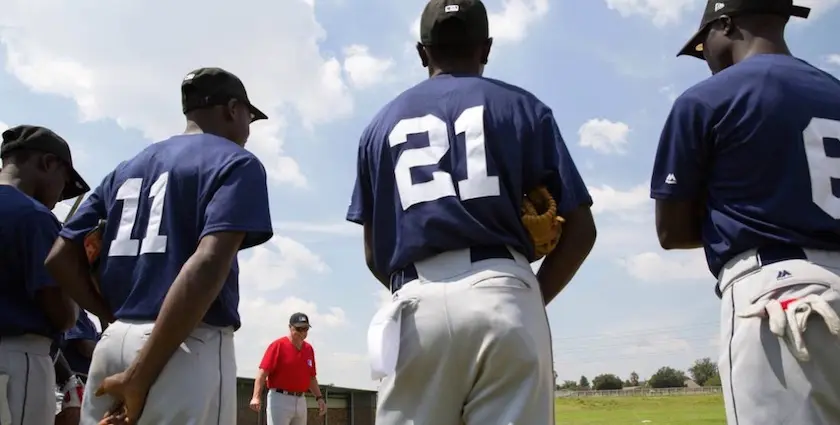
539, 215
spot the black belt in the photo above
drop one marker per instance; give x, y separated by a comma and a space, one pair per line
291, 393
774, 254
409, 273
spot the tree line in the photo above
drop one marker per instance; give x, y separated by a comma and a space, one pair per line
704, 372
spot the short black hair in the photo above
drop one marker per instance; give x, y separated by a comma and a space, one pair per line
18, 156
453, 29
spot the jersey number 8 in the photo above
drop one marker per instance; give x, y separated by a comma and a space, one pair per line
822, 168
153, 242
477, 184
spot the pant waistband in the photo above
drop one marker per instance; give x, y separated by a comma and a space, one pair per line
291, 393
409, 273
29, 343
754, 259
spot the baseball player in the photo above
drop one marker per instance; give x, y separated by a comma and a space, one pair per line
441, 175
176, 216
747, 167
37, 173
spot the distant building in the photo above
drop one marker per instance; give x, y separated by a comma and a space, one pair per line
690, 384
345, 406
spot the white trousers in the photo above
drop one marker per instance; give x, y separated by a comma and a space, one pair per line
763, 383
27, 381
284, 409
474, 346
196, 387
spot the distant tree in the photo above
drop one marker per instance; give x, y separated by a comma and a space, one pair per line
634, 379
583, 384
703, 370
606, 382
555, 378
713, 382
667, 377
568, 386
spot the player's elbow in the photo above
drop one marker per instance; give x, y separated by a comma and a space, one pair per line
580, 230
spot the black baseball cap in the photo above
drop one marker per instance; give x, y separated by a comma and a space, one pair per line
717, 8
44, 140
471, 13
299, 319
206, 87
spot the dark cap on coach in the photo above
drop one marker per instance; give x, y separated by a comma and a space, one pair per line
471, 13
206, 87
44, 140
299, 319
717, 8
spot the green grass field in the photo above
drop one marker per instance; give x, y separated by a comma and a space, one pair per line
672, 410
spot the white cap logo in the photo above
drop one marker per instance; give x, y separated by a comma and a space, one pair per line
452, 8
189, 77
718, 6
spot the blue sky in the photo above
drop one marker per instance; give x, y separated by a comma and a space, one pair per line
105, 75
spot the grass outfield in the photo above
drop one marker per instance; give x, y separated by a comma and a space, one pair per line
671, 410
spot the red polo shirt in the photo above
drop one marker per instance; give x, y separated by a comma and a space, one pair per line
288, 368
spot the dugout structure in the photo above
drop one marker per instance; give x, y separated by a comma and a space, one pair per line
345, 406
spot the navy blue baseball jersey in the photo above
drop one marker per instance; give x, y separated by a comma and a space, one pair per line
761, 141
444, 167
28, 230
158, 205
83, 330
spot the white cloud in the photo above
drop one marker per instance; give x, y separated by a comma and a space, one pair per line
606, 199
3, 126
278, 262
339, 228
106, 59
673, 266
511, 24
670, 92
660, 12
364, 69
833, 59
604, 136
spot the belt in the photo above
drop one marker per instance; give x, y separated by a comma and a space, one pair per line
773, 254
409, 273
291, 393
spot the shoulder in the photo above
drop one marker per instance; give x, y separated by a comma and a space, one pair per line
29, 212
308, 347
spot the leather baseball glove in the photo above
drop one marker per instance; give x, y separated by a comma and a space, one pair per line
539, 215
93, 247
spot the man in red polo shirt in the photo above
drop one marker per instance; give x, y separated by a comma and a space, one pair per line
288, 370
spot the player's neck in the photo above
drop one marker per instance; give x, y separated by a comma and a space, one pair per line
11, 175
455, 70
194, 127
761, 46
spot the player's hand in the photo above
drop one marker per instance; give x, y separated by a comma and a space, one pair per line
68, 416
255, 404
129, 393
322, 407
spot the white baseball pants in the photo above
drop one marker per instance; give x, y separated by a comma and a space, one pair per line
474, 346
763, 382
197, 386
27, 378
284, 409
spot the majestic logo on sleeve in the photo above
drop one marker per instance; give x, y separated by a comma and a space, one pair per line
671, 179
309, 362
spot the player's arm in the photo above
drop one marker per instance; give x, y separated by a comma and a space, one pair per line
67, 262
314, 388
267, 364
361, 211
236, 217
573, 204
678, 180
36, 234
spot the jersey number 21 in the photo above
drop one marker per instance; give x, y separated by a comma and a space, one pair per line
477, 184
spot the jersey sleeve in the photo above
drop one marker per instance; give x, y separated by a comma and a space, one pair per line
681, 161
86, 217
83, 329
361, 202
239, 203
269, 360
37, 233
559, 172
